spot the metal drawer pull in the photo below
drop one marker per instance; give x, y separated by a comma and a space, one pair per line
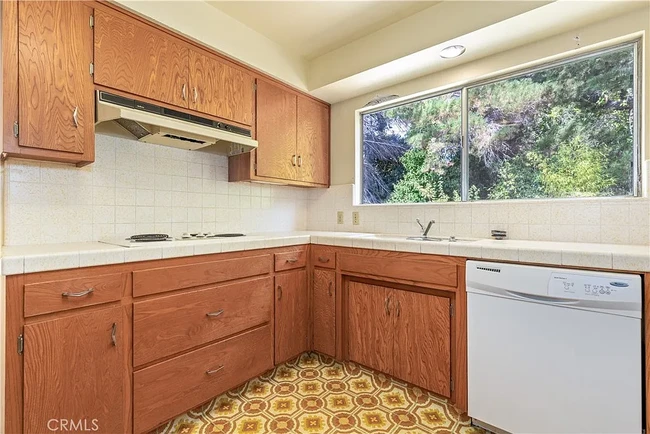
387, 306
196, 95
323, 260
183, 91
113, 334
214, 371
293, 160
299, 160
279, 292
398, 308
329, 290
75, 117
291, 261
213, 314
78, 294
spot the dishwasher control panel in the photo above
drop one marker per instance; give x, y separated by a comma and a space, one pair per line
586, 287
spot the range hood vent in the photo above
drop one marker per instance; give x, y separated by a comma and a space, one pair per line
162, 126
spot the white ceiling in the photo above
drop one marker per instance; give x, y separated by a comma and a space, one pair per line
313, 28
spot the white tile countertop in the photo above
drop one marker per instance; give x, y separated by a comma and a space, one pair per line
30, 259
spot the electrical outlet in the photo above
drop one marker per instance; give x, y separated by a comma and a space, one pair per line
339, 218
355, 217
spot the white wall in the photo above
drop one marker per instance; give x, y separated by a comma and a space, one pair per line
136, 187
343, 117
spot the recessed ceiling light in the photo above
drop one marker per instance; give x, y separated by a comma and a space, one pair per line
452, 51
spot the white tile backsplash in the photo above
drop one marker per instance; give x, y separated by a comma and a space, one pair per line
591, 220
137, 187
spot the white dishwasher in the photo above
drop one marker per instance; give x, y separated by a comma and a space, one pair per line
553, 350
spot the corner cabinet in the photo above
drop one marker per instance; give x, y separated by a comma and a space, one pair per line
48, 92
293, 140
291, 315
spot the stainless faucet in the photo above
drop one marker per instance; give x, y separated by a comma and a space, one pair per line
425, 232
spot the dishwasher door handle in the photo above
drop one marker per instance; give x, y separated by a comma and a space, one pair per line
541, 298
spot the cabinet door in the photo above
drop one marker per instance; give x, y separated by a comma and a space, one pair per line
423, 341
74, 370
276, 132
291, 315
55, 88
313, 141
136, 58
219, 89
324, 309
370, 335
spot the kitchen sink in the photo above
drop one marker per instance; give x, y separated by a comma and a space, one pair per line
427, 238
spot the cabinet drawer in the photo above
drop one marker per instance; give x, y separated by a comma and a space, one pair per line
167, 389
60, 295
291, 260
431, 272
163, 279
174, 323
323, 257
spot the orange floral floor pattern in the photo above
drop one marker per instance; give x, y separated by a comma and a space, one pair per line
315, 394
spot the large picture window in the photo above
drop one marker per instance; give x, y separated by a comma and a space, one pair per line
567, 129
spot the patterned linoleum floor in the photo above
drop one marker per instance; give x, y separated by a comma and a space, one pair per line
315, 394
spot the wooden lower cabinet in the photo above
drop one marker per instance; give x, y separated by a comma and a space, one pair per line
291, 315
402, 333
324, 311
74, 374
169, 388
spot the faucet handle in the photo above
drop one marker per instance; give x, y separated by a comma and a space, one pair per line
421, 225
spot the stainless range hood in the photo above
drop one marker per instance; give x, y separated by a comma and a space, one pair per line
162, 126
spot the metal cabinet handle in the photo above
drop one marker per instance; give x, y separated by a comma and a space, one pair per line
196, 95
184, 92
398, 308
78, 294
387, 306
214, 371
291, 261
323, 260
213, 314
293, 160
299, 160
329, 289
114, 334
279, 292
75, 117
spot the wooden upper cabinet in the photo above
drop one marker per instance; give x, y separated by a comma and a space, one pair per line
276, 132
219, 89
75, 369
313, 141
136, 58
56, 108
422, 354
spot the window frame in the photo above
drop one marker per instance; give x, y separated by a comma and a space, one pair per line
566, 58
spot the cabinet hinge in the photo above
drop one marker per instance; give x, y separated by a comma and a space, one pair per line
92, 21
255, 86
21, 344
451, 384
451, 309
16, 129
92, 68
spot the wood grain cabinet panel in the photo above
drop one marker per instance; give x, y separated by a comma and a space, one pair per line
136, 58
74, 370
60, 295
167, 325
169, 388
276, 132
219, 89
313, 141
324, 311
370, 336
422, 354
291, 315
55, 88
